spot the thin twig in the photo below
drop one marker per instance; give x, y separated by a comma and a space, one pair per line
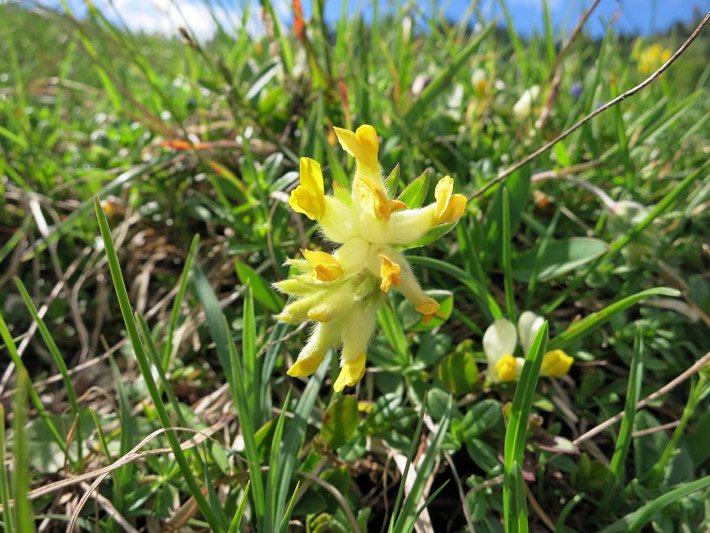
538, 509
507, 172
648, 399
572, 37
656, 429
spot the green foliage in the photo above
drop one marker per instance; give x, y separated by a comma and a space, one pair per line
144, 218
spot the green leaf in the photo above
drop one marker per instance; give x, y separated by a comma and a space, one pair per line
435, 233
263, 293
437, 402
415, 193
340, 421
559, 257
482, 417
458, 372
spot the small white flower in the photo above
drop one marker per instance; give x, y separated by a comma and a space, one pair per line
523, 106
500, 340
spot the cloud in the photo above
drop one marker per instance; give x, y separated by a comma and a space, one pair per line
167, 16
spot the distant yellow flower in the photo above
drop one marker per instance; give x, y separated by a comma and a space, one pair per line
500, 340
651, 58
342, 291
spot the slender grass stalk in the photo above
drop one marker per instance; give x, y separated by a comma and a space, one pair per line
507, 259
514, 498
623, 439
7, 516
210, 515
59, 361
697, 391
177, 304
23, 519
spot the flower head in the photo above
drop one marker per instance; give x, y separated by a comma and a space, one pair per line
341, 291
500, 340
651, 58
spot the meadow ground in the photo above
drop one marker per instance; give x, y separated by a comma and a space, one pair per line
144, 216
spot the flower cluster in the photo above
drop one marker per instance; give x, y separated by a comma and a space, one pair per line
341, 291
651, 58
499, 343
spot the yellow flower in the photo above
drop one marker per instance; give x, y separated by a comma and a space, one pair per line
651, 58
556, 364
341, 291
500, 340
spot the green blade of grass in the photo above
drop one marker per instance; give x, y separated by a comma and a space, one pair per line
619, 244
507, 259
58, 360
697, 392
232, 368
127, 313
407, 518
480, 291
544, 242
177, 304
283, 528
122, 476
597, 319
442, 80
248, 432
410, 457
516, 433
23, 509
272, 480
623, 439
296, 432
164, 383
7, 518
251, 372
634, 521
34, 396
517, 44
517, 510
239, 514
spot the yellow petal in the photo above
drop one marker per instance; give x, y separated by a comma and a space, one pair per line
303, 368
309, 197
374, 200
350, 373
325, 266
449, 207
556, 363
389, 272
429, 309
506, 368
363, 145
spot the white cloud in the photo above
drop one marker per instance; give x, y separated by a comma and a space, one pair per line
167, 16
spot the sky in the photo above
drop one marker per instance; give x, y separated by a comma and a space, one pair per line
630, 16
